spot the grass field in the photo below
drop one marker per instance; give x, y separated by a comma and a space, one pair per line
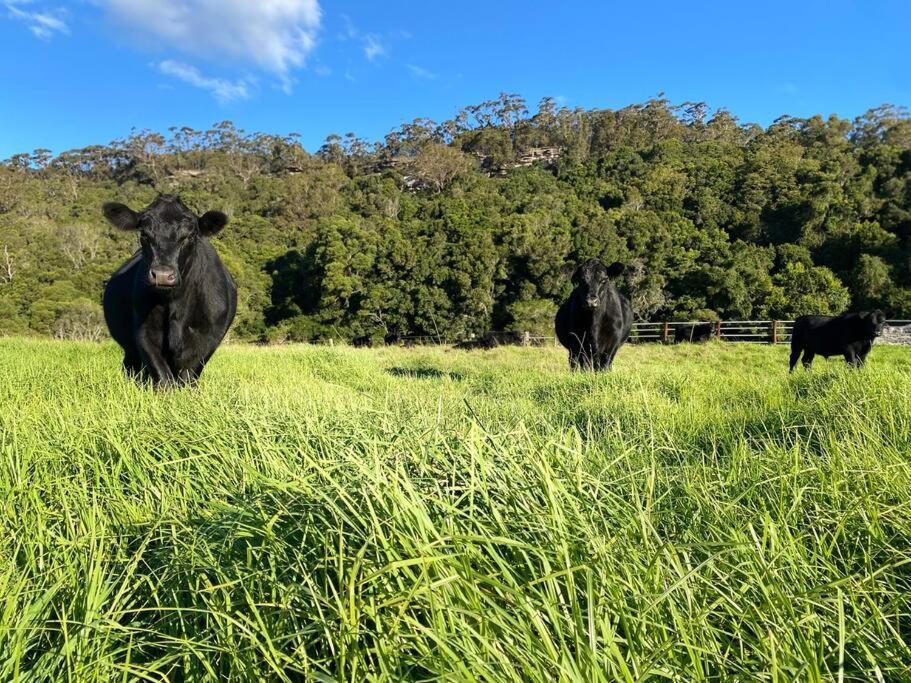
335, 514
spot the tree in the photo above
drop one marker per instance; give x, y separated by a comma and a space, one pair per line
436, 165
804, 290
435, 231
872, 282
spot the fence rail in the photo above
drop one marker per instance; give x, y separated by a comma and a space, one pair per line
756, 331
666, 332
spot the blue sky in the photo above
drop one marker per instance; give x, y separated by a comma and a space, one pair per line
87, 71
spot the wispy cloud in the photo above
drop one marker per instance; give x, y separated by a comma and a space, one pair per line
44, 23
349, 31
373, 47
275, 36
223, 89
421, 73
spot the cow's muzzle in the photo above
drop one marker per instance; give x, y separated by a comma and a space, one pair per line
163, 277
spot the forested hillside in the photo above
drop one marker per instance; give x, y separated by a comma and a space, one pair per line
463, 226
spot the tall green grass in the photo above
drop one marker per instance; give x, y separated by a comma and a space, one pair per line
333, 514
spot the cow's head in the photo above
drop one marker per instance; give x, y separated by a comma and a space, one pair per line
874, 321
592, 280
167, 233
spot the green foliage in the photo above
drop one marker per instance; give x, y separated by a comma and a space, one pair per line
535, 316
326, 514
803, 290
452, 228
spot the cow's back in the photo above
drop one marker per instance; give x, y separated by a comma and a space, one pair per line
117, 302
230, 289
215, 293
627, 312
563, 324
823, 335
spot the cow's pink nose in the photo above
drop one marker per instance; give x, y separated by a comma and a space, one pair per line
162, 277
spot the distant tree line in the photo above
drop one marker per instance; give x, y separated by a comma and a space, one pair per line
447, 229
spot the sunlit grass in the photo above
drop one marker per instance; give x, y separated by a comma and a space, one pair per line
337, 514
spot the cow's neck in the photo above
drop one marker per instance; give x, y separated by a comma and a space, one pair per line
592, 320
596, 318
175, 300
190, 265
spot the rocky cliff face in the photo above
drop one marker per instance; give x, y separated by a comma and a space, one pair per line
896, 334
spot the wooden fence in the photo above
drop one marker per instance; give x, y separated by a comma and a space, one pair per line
755, 331
666, 332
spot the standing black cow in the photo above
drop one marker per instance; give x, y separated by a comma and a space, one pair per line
850, 335
596, 319
170, 305
694, 332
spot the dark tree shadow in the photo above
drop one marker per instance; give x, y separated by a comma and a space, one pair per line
296, 278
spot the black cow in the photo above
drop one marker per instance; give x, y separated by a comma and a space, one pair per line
170, 305
491, 340
694, 332
596, 319
850, 335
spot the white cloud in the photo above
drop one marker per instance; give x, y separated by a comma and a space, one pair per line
374, 45
223, 90
43, 23
350, 32
273, 35
420, 72
373, 48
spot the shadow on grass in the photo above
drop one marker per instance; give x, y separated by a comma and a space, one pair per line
425, 373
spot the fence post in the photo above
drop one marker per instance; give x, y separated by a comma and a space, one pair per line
718, 330
664, 332
774, 331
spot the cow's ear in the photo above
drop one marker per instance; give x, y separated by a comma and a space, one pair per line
211, 222
120, 216
615, 269
568, 270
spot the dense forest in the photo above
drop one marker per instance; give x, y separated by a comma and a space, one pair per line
452, 228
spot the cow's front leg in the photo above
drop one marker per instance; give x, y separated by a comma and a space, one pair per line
150, 343
862, 353
795, 356
188, 353
609, 357
187, 377
153, 360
